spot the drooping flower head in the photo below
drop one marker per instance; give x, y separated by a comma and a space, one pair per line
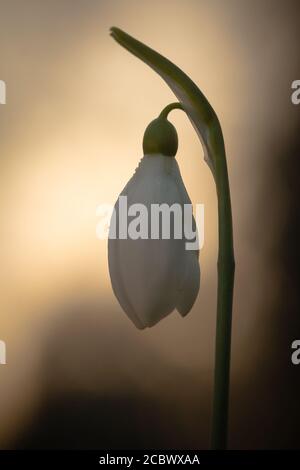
152, 273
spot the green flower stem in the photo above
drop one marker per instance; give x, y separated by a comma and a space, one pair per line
207, 126
226, 267
169, 108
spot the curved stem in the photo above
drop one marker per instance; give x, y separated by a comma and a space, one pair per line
207, 126
169, 108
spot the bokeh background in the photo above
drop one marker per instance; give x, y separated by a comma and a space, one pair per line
78, 374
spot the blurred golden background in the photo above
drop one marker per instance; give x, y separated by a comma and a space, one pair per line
78, 373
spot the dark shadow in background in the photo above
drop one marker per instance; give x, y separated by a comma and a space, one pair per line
266, 407
93, 392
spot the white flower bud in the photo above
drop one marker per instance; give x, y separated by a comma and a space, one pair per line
153, 276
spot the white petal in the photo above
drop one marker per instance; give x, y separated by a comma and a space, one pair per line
146, 275
150, 277
190, 284
117, 282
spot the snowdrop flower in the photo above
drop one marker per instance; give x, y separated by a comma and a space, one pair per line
150, 276
172, 284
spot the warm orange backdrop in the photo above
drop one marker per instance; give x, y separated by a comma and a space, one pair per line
70, 138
